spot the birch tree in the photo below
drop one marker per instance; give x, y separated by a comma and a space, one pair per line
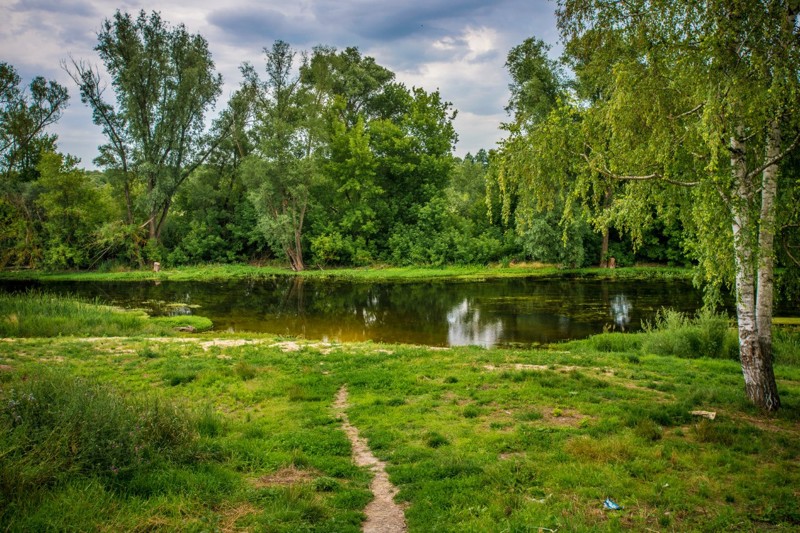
698, 95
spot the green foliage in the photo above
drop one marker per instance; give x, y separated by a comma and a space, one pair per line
54, 426
24, 115
36, 314
164, 82
73, 207
282, 169
547, 240
707, 335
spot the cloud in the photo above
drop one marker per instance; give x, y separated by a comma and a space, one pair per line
456, 46
388, 20
250, 25
74, 8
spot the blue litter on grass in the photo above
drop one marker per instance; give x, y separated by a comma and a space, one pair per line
612, 505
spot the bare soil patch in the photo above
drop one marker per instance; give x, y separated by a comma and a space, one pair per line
285, 476
226, 343
293, 346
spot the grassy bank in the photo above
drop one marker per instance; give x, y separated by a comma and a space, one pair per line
377, 273
245, 436
36, 314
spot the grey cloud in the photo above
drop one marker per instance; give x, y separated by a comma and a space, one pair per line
63, 7
388, 20
262, 26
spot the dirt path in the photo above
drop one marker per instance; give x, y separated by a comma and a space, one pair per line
383, 514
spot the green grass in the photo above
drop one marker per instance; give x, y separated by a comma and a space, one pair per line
475, 440
37, 314
374, 273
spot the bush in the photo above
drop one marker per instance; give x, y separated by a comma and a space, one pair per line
707, 335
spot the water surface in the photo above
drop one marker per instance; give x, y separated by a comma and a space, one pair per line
500, 312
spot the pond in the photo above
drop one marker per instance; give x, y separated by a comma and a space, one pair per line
499, 312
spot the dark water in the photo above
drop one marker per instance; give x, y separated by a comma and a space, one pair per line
444, 313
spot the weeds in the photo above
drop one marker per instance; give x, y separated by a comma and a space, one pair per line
707, 335
54, 424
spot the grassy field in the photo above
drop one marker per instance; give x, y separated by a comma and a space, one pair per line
374, 273
216, 432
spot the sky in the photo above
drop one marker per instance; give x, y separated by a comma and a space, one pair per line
456, 46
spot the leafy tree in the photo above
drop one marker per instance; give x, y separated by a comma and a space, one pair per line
73, 208
283, 167
164, 82
24, 116
701, 95
389, 153
213, 219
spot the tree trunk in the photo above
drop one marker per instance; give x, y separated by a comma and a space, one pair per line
759, 379
604, 249
604, 245
766, 252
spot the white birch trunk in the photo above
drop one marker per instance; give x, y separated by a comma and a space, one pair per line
759, 379
766, 264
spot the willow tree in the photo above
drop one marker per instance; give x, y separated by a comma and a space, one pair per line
164, 82
700, 96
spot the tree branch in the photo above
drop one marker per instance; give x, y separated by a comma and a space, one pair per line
696, 108
648, 177
775, 159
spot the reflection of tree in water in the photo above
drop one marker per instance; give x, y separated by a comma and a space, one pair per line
465, 327
621, 310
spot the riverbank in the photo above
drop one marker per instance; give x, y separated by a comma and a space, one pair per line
243, 432
217, 272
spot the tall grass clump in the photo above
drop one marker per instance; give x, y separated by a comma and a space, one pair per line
786, 346
55, 427
708, 334
40, 314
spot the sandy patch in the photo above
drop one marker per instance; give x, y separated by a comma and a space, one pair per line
226, 343
536, 368
384, 515
292, 346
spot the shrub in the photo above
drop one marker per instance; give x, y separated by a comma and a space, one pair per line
673, 333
